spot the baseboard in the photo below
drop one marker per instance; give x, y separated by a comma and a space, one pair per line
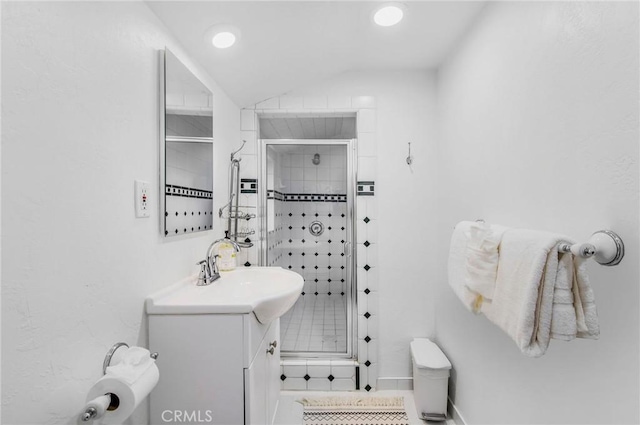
395, 383
455, 414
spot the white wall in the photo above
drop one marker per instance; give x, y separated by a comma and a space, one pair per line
80, 123
539, 118
405, 112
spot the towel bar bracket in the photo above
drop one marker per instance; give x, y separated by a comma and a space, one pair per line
605, 246
609, 247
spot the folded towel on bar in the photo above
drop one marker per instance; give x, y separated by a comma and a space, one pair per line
481, 262
473, 263
541, 293
584, 301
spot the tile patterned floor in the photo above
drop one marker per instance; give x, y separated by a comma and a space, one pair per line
316, 323
290, 412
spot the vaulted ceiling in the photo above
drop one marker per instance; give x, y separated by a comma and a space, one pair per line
285, 45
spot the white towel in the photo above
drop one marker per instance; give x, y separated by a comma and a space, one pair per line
456, 264
473, 262
541, 293
564, 321
584, 301
481, 262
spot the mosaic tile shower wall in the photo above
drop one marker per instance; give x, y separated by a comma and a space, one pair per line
314, 181
319, 259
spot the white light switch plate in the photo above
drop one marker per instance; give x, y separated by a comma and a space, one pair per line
142, 198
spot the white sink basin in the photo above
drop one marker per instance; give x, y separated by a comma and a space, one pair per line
268, 292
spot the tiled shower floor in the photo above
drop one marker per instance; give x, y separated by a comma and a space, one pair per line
316, 323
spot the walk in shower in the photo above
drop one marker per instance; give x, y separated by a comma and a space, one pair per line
308, 209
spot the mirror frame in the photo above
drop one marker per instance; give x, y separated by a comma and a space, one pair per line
164, 139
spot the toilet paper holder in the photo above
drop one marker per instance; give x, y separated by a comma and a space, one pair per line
91, 412
112, 351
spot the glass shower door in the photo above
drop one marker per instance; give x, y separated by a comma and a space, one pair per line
308, 230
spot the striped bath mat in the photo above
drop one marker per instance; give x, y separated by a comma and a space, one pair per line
354, 411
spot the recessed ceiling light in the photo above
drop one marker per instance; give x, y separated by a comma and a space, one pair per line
222, 36
223, 39
388, 15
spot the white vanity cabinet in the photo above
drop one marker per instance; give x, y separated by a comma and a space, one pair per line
219, 369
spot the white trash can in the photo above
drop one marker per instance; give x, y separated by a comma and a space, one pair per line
430, 379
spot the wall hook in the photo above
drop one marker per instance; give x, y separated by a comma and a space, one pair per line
409, 157
235, 152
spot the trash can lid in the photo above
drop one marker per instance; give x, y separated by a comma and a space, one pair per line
427, 355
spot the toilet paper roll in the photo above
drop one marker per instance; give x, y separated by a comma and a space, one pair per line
123, 395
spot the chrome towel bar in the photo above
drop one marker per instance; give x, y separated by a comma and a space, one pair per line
605, 246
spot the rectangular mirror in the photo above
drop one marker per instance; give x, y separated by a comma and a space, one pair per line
186, 150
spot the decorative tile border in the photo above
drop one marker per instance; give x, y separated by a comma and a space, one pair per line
306, 197
366, 188
274, 194
367, 286
334, 375
248, 185
315, 197
187, 192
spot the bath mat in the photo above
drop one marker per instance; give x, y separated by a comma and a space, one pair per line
354, 411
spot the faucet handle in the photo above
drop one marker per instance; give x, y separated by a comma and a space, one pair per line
213, 262
202, 277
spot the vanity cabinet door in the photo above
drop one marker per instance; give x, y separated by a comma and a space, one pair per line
255, 379
262, 380
201, 369
273, 370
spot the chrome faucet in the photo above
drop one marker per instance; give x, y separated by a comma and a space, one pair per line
209, 272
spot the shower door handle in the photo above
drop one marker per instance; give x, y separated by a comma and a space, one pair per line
347, 249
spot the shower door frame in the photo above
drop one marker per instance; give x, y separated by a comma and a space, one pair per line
349, 246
